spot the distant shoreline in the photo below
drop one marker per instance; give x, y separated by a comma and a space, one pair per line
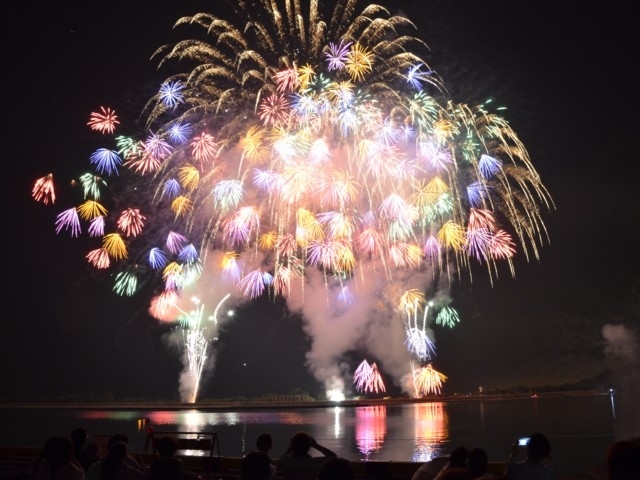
225, 404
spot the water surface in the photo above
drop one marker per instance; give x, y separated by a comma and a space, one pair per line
580, 428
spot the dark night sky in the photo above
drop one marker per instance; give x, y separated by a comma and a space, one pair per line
567, 79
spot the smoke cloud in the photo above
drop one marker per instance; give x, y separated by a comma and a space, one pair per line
622, 353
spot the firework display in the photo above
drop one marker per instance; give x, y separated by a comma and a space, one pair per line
367, 378
302, 151
196, 336
427, 380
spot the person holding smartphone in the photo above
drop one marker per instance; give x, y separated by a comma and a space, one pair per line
537, 465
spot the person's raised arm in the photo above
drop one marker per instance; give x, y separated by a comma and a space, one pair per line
324, 450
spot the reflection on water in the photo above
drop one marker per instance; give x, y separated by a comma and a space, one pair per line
197, 421
613, 405
371, 428
110, 415
431, 430
580, 428
337, 422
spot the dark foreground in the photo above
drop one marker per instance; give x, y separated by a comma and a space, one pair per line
16, 463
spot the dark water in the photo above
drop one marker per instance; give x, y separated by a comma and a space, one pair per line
580, 428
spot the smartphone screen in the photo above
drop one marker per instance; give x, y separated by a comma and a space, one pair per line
523, 441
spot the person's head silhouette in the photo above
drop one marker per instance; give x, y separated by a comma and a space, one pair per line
538, 447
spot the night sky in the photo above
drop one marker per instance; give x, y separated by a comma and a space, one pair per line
566, 74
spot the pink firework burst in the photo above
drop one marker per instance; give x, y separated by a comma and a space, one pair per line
104, 121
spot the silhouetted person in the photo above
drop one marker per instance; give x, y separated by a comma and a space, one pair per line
131, 460
457, 459
56, 461
297, 464
436, 467
337, 468
79, 441
264, 443
256, 465
166, 466
114, 465
117, 464
477, 462
623, 460
538, 464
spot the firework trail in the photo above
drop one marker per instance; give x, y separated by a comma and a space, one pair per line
196, 348
312, 155
196, 341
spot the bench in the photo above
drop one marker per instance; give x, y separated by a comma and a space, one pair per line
198, 447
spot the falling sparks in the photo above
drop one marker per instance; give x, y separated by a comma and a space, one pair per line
367, 378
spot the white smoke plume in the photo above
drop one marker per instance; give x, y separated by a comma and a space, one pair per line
622, 353
365, 319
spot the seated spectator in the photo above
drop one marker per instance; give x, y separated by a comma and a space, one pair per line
477, 462
79, 441
337, 468
56, 461
130, 459
457, 459
623, 460
297, 464
256, 465
264, 443
166, 466
538, 464
436, 467
117, 464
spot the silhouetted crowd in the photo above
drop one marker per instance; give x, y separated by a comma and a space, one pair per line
73, 458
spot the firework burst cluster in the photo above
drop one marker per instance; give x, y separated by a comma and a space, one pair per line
328, 145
